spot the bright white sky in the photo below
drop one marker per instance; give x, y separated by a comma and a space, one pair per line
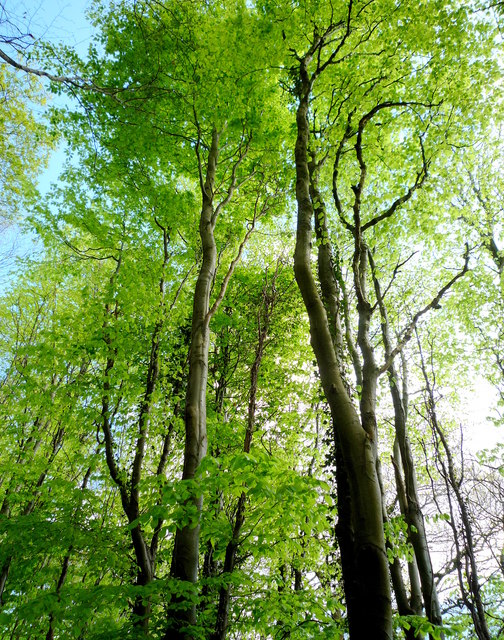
480, 432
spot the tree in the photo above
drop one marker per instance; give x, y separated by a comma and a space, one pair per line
205, 424
333, 41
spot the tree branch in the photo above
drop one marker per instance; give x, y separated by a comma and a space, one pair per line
433, 304
74, 81
419, 182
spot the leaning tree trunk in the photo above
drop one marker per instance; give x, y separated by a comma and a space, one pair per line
332, 302
370, 612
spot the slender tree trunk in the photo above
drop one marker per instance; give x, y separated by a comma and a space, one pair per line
64, 566
129, 491
222, 620
221, 367
57, 441
4, 574
185, 560
416, 600
413, 513
408, 493
404, 606
471, 595
61, 582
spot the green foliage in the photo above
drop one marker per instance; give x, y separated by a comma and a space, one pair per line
396, 534
25, 143
110, 300
422, 626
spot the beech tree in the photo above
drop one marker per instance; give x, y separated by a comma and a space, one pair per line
209, 425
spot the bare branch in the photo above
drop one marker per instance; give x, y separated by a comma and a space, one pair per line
197, 151
76, 82
394, 274
339, 153
233, 183
331, 59
234, 262
433, 304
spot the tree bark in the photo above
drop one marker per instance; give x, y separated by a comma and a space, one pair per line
370, 614
129, 491
409, 500
185, 560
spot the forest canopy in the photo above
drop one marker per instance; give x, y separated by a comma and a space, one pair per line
247, 369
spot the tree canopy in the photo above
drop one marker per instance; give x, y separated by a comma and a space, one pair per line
235, 381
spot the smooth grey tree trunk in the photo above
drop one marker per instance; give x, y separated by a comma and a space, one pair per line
185, 559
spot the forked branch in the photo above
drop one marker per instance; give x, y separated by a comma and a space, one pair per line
433, 304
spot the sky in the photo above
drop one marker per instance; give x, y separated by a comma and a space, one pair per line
58, 22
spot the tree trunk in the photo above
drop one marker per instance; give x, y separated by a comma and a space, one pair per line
185, 558
64, 566
416, 601
370, 614
471, 595
409, 499
222, 620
